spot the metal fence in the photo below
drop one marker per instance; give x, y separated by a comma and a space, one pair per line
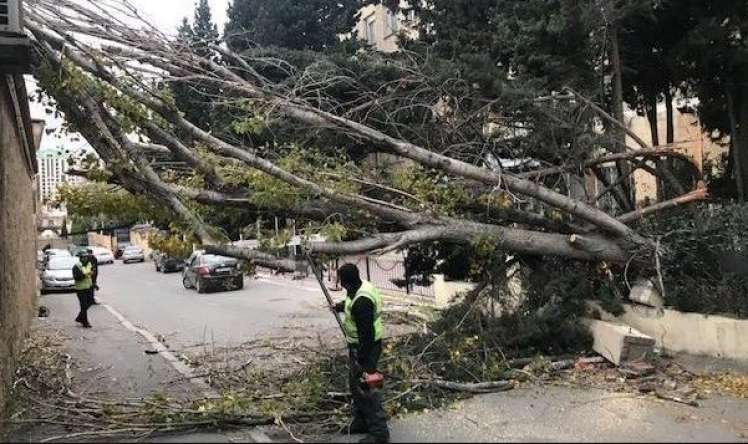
386, 273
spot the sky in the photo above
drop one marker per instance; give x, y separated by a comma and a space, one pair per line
166, 15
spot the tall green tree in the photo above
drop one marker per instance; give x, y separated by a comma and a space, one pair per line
196, 100
714, 58
293, 24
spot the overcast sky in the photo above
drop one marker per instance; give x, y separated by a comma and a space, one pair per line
168, 14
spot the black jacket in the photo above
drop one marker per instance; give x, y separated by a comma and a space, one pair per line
363, 314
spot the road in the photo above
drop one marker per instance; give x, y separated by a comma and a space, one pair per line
159, 303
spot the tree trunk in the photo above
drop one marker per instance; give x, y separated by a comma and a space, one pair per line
663, 190
620, 135
670, 137
738, 111
654, 127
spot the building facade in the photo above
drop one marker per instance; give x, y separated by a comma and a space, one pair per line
690, 139
19, 138
381, 28
54, 167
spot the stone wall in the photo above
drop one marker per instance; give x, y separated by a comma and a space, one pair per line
102, 240
18, 279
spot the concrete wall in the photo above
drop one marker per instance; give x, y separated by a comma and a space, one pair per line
445, 291
693, 333
102, 240
140, 238
18, 282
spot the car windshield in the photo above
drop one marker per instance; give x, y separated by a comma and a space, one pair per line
63, 263
210, 259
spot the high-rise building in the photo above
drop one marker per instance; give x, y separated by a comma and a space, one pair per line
54, 166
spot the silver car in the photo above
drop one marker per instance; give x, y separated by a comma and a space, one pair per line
133, 254
103, 255
57, 274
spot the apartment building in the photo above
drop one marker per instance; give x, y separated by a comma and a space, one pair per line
381, 27
54, 167
690, 139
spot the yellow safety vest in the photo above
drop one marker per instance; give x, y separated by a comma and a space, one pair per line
87, 281
367, 290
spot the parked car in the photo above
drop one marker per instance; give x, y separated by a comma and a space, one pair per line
103, 255
204, 272
120, 249
58, 274
133, 254
77, 250
50, 253
165, 263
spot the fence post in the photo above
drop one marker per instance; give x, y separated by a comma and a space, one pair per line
368, 270
407, 276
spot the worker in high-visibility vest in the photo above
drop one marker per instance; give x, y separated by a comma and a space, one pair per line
83, 274
364, 331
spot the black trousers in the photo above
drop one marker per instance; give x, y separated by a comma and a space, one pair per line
86, 300
368, 405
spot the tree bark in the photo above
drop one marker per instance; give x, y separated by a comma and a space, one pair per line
654, 126
738, 138
618, 113
670, 117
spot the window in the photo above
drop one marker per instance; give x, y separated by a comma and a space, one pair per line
371, 36
393, 24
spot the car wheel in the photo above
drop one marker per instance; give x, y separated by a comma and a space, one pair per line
200, 286
186, 282
239, 283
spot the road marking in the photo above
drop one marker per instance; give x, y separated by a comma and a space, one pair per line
181, 368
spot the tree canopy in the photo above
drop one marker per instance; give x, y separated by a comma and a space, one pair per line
310, 24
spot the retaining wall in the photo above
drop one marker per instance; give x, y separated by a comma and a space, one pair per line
693, 333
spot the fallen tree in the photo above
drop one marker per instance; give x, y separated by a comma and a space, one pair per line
106, 69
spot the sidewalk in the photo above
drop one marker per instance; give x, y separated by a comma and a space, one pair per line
110, 362
563, 414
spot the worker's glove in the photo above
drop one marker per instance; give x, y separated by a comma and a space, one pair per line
96, 287
372, 381
339, 307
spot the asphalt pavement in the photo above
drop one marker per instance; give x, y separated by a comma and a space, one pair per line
159, 303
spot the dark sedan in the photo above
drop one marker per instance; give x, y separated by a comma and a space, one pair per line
166, 264
205, 272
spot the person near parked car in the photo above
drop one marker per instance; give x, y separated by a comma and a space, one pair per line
84, 285
94, 276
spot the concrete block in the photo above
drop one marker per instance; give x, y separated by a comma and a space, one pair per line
644, 292
619, 343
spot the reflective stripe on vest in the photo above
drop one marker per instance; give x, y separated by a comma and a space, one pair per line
370, 292
86, 282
